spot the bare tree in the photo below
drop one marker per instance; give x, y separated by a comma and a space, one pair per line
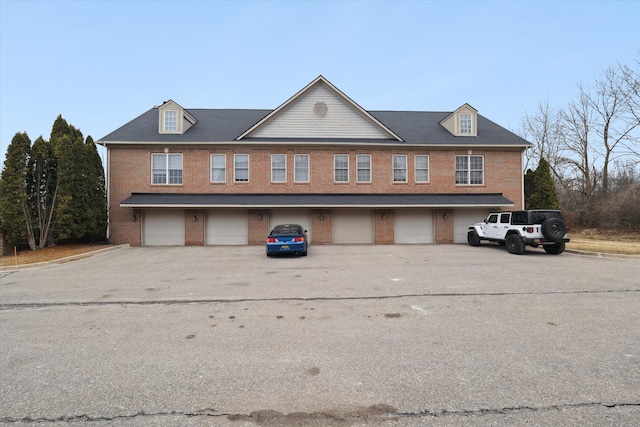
612, 102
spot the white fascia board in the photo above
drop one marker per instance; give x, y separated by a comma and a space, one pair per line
245, 143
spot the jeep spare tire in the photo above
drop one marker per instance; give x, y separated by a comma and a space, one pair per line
554, 229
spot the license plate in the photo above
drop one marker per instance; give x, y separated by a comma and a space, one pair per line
283, 247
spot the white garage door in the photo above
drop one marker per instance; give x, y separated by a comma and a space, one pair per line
353, 226
291, 216
413, 226
227, 227
163, 227
462, 219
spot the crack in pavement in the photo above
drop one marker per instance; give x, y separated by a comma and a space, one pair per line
379, 412
11, 306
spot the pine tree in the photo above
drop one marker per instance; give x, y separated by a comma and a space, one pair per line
44, 189
529, 179
544, 194
14, 199
96, 228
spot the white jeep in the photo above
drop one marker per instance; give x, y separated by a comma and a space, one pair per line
519, 228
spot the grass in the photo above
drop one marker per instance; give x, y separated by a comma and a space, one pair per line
27, 256
605, 242
584, 240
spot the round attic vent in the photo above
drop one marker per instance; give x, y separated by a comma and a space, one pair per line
320, 109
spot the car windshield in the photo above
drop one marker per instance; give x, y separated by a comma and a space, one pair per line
287, 229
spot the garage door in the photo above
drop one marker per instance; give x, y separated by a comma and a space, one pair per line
291, 216
227, 227
413, 226
353, 226
462, 219
163, 227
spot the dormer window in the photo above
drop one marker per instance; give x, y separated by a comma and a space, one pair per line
462, 122
172, 118
465, 124
170, 121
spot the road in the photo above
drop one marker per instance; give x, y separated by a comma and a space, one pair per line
350, 335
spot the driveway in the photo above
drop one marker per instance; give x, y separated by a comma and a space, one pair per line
350, 335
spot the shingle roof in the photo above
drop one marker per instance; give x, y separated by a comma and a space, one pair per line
142, 200
225, 125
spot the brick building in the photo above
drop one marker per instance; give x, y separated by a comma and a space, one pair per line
180, 176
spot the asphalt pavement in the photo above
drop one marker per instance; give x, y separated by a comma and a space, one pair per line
404, 335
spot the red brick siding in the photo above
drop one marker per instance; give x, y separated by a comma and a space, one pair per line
130, 171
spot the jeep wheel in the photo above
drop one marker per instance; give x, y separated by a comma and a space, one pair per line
473, 238
554, 229
514, 244
554, 249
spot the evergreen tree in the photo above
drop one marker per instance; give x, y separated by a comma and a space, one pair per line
529, 179
14, 198
44, 189
544, 194
96, 228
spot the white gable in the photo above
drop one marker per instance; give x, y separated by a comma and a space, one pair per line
320, 111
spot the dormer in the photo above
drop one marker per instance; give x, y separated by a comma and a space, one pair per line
462, 122
174, 119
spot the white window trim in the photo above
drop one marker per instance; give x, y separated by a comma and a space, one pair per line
224, 156
164, 122
358, 169
460, 117
468, 170
393, 169
284, 180
166, 169
415, 169
235, 167
334, 169
295, 164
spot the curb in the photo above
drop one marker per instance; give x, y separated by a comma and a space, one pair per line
63, 260
602, 255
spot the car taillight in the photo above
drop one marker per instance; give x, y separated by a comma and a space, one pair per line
298, 239
272, 240
528, 229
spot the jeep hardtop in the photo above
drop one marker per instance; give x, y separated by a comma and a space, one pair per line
519, 228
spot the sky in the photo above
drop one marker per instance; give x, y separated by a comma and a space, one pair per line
100, 64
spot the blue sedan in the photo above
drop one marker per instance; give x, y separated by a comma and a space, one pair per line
287, 239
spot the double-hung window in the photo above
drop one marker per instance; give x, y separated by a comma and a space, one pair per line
301, 168
363, 165
341, 168
278, 168
166, 168
465, 123
240, 167
218, 168
170, 121
470, 170
422, 168
399, 168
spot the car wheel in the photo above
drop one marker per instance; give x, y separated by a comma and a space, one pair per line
514, 244
554, 249
472, 238
554, 229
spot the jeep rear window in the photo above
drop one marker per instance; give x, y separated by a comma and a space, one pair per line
519, 218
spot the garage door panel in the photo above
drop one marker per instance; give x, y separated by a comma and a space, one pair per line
291, 216
463, 218
163, 227
227, 227
413, 226
353, 226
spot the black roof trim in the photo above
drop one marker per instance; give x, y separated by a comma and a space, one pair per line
312, 200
